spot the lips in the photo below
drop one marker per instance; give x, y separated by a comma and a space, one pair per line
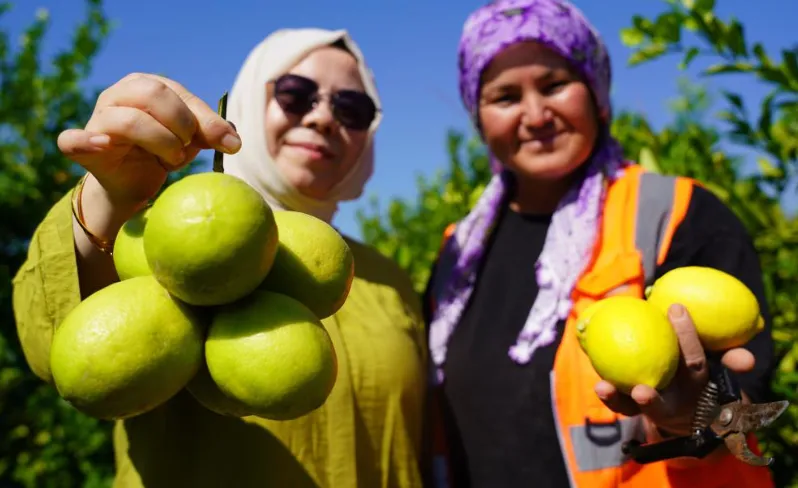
544, 137
312, 148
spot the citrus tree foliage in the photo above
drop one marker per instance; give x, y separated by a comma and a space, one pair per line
43, 441
699, 142
692, 31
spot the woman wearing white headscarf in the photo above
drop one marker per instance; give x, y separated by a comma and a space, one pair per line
305, 109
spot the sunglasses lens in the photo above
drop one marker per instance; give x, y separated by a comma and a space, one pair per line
354, 110
295, 94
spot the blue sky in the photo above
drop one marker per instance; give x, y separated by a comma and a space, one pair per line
411, 47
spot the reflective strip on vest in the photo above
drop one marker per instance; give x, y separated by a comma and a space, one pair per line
655, 203
598, 446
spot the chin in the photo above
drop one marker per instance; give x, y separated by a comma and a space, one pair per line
550, 167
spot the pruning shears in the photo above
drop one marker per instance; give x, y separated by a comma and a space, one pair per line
720, 418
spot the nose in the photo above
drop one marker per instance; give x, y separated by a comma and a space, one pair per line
535, 112
321, 117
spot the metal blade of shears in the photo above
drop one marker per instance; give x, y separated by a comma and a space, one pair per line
735, 421
751, 417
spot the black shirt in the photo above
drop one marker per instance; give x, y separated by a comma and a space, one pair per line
498, 414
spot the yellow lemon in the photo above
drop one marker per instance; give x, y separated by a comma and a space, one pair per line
725, 312
629, 342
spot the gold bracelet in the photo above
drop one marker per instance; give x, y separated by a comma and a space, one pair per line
103, 245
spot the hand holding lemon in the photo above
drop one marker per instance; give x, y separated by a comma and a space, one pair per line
647, 369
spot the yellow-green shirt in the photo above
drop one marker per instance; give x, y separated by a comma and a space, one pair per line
368, 433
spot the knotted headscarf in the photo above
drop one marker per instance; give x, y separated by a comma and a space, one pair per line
271, 58
561, 27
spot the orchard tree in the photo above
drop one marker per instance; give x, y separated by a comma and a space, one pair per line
44, 442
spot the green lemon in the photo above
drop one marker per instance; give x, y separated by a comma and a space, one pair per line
270, 353
210, 239
126, 349
314, 264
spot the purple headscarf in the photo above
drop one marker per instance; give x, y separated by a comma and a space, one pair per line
571, 236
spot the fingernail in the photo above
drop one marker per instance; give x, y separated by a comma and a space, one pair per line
100, 140
231, 142
677, 311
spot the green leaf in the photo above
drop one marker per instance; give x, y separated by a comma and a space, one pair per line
668, 27
704, 6
766, 116
632, 36
648, 161
774, 75
761, 55
735, 39
768, 169
791, 64
722, 68
688, 58
647, 53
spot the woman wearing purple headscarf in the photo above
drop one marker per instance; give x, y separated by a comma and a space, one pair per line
565, 221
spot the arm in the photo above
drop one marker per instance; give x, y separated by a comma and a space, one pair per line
46, 288
103, 217
142, 127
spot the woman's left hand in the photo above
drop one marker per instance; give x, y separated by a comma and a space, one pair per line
671, 410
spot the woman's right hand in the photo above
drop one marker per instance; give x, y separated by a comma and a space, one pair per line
143, 127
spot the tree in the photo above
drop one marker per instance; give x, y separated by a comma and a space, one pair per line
37, 429
43, 440
692, 30
692, 144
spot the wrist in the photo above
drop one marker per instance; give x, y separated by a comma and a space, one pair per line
99, 213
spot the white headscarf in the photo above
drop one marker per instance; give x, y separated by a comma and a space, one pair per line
246, 108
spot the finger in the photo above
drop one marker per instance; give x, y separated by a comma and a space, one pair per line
86, 148
662, 408
126, 125
191, 151
739, 360
154, 97
692, 352
615, 400
75, 142
214, 132
650, 402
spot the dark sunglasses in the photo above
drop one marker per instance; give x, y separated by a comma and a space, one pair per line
298, 95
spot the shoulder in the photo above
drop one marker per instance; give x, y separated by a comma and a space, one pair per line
381, 275
708, 221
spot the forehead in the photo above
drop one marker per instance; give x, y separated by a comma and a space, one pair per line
331, 68
524, 58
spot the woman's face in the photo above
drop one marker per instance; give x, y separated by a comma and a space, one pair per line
315, 145
536, 114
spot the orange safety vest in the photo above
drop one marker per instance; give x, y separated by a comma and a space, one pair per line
642, 211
